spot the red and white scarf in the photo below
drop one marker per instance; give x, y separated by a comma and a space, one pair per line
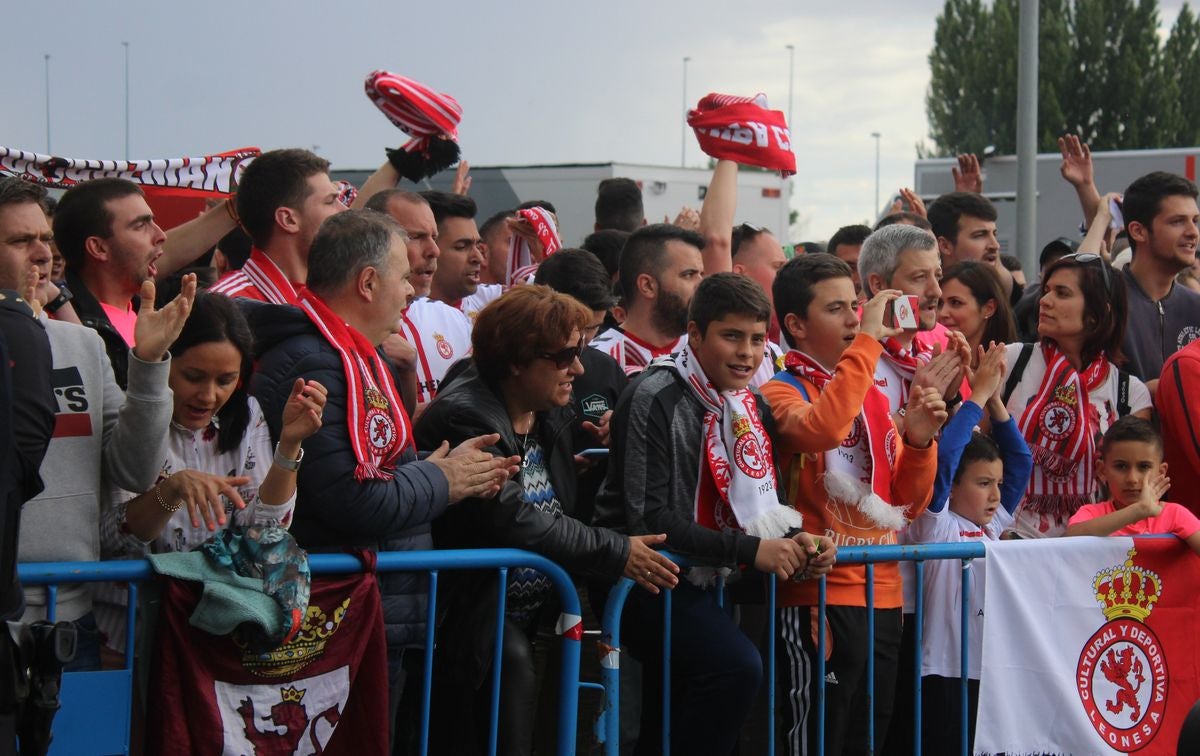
858, 472
905, 361
266, 276
737, 488
742, 129
430, 118
1060, 423
521, 265
378, 425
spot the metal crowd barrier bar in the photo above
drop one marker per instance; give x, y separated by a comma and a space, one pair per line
608, 726
83, 719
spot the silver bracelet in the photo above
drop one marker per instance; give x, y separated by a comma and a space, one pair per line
162, 502
291, 465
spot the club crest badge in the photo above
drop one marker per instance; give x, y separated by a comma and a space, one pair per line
381, 429
443, 347
1122, 674
747, 454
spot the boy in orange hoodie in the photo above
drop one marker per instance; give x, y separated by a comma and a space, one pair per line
857, 477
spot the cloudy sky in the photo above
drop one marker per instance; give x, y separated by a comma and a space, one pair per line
540, 82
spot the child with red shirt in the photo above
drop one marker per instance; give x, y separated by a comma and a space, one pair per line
1131, 464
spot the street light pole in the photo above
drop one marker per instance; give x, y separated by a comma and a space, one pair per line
683, 133
791, 80
47, 57
876, 135
126, 44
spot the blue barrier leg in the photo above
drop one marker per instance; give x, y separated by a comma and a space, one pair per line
51, 603
964, 655
427, 682
610, 666
666, 672
919, 620
497, 658
870, 576
772, 581
821, 666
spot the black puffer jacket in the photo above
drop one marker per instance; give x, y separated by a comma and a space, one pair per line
333, 510
469, 407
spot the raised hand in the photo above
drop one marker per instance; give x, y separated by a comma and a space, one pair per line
940, 372
874, 312
688, 219
968, 176
925, 415
156, 330
462, 178
915, 203
986, 380
647, 567
29, 291
1076, 166
1155, 485
302, 412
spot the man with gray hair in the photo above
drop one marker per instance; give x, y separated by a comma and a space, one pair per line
369, 490
906, 258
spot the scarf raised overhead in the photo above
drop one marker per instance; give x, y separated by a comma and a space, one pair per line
858, 471
744, 130
1059, 423
521, 265
737, 488
430, 118
378, 425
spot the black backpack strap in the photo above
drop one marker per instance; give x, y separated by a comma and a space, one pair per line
1014, 376
1122, 393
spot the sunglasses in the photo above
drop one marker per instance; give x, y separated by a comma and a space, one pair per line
1086, 258
563, 358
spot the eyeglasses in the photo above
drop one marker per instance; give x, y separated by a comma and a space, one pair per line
1086, 258
563, 358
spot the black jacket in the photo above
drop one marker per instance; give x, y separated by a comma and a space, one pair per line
469, 407
333, 509
87, 307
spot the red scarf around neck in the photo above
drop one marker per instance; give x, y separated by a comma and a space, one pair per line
378, 425
1060, 424
858, 472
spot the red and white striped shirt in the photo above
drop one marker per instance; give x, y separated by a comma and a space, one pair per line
259, 279
630, 352
441, 335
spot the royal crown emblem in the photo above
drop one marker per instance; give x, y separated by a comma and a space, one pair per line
375, 399
308, 645
291, 693
1126, 590
1066, 394
741, 425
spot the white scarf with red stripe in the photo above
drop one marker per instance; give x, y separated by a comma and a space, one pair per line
858, 471
521, 265
905, 361
269, 279
378, 425
1059, 423
737, 488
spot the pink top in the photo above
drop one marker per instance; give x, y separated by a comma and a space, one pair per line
123, 320
1174, 519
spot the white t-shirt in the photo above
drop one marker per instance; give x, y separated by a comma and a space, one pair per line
470, 306
441, 335
940, 636
768, 367
630, 352
1104, 399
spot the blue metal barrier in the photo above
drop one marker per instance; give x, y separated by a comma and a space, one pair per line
608, 726
101, 733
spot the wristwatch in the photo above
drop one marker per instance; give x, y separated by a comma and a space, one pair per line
64, 296
291, 465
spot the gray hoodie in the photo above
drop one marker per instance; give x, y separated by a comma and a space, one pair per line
101, 436
1156, 330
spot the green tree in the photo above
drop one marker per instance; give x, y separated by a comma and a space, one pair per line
1102, 74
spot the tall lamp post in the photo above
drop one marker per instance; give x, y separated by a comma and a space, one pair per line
791, 80
683, 132
47, 58
875, 135
126, 45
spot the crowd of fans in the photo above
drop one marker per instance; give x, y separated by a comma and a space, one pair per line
393, 376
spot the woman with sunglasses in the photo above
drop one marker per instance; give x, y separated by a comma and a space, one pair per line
973, 303
1081, 322
526, 346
